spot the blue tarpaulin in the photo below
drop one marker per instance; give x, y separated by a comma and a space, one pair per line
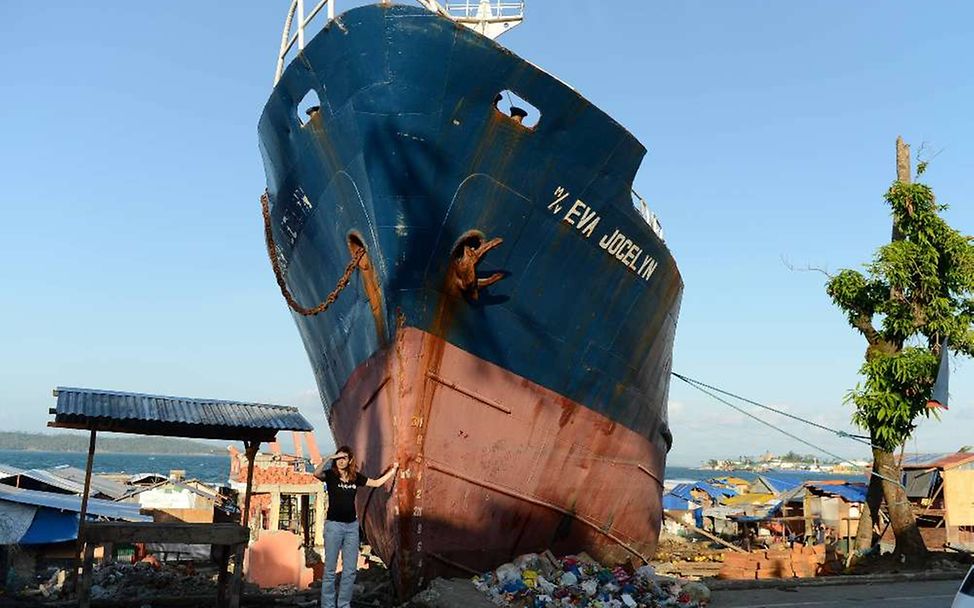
50, 526
851, 491
684, 490
675, 503
778, 485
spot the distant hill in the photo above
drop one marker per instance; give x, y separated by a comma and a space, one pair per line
78, 442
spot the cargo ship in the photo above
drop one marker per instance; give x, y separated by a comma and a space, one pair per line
481, 296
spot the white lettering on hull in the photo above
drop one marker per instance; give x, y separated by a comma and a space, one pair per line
621, 247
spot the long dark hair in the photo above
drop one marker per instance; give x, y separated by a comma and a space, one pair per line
352, 464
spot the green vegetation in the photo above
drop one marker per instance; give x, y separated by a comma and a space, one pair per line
78, 442
916, 293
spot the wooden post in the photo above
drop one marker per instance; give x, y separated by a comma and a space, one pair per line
236, 583
84, 597
252, 448
84, 509
223, 559
306, 534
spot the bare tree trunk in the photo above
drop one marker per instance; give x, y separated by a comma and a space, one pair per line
902, 175
866, 536
908, 539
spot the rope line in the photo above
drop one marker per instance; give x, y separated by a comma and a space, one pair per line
860, 438
707, 392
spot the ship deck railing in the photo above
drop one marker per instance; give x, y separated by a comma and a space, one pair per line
642, 207
489, 17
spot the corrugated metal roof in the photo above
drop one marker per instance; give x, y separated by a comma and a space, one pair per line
99, 485
8, 471
751, 498
683, 490
778, 485
70, 502
145, 414
852, 491
49, 479
937, 461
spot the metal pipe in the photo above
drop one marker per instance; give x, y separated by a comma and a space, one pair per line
316, 10
284, 44
300, 25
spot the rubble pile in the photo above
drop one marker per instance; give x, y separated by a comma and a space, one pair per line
121, 581
543, 581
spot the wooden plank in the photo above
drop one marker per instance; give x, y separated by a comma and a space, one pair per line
704, 533
223, 577
236, 582
959, 497
84, 593
150, 532
79, 543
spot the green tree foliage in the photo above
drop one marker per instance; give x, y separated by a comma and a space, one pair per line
917, 292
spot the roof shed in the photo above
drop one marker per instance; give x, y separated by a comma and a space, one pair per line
143, 414
850, 491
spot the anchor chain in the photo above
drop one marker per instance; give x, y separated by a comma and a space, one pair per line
279, 275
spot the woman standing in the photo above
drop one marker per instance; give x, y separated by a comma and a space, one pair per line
342, 480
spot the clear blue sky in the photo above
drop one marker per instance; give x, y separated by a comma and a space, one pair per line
132, 255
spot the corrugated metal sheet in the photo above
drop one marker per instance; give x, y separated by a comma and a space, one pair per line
750, 498
99, 485
683, 490
49, 479
851, 491
778, 485
177, 416
8, 471
68, 502
937, 461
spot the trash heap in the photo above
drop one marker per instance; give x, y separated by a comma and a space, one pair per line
121, 581
543, 581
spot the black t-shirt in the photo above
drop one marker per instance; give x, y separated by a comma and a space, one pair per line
341, 496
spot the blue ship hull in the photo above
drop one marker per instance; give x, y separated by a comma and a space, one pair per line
408, 156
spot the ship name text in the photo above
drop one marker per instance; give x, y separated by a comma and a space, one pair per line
614, 242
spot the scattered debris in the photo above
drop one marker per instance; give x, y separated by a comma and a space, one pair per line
146, 579
543, 581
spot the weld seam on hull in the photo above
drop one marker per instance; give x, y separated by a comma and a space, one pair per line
469, 393
650, 473
537, 501
450, 562
375, 393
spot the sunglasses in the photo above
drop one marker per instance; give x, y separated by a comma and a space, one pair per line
342, 458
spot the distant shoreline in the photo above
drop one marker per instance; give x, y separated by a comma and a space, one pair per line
115, 452
78, 444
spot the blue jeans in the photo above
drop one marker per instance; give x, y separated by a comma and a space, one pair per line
339, 537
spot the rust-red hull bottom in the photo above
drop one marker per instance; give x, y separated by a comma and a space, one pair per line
493, 466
